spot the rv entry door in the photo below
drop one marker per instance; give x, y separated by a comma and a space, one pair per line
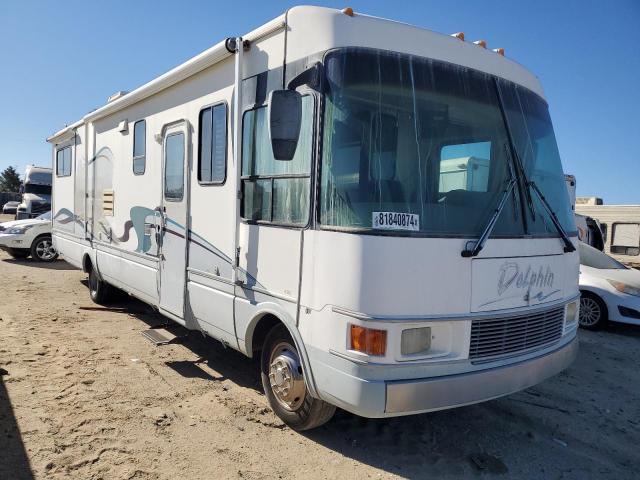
173, 231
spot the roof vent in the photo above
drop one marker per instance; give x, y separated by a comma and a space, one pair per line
117, 95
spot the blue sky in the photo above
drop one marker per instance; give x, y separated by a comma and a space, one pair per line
58, 60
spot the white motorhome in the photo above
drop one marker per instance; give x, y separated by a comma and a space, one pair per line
620, 226
280, 192
36, 193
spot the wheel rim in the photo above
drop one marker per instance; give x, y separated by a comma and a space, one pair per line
45, 250
285, 377
590, 312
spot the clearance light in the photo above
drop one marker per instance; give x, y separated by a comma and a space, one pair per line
415, 341
347, 11
458, 35
499, 51
481, 43
368, 340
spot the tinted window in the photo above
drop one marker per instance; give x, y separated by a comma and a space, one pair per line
39, 177
63, 162
37, 189
212, 145
274, 190
535, 141
174, 167
139, 147
593, 258
410, 137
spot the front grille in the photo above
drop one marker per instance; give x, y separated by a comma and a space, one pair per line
496, 337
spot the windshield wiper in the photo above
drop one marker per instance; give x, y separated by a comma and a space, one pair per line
531, 185
568, 246
479, 244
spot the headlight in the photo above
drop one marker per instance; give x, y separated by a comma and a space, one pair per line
624, 288
415, 341
20, 230
571, 313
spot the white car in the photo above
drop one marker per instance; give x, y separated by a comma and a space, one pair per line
22, 238
10, 207
610, 290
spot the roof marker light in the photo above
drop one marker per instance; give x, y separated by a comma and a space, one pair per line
347, 11
481, 43
499, 51
458, 35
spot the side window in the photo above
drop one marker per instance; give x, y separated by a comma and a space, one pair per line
603, 229
625, 239
63, 162
465, 167
273, 190
139, 147
174, 167
212, 145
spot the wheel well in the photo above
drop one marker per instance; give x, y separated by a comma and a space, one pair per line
38, 237
264, 326
86, 264
602, 302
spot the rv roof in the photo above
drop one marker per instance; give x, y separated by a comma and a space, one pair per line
356, 33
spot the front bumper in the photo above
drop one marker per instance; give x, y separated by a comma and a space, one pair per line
465, 389
8, 240
379, 398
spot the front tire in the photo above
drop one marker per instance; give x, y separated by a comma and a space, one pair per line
42, 249
18, 253
99, 290
284, 384
593, 311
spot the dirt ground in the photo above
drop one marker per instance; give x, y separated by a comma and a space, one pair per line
85, 396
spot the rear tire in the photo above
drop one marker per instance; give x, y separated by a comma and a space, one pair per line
593, 311
42, 249
284, 384
18, 253
99, 290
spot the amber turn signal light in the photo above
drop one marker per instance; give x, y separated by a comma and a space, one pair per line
368, 340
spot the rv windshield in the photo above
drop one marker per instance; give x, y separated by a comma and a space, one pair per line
43, 178
420, 145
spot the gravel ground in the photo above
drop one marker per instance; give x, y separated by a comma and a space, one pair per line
84, 395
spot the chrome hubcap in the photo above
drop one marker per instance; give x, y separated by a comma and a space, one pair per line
45, 250
285, 377
589, 312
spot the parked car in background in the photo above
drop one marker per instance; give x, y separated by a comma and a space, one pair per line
21, 238
609, 290
10, 207
36, 192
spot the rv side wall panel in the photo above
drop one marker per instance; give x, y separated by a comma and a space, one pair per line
79, 182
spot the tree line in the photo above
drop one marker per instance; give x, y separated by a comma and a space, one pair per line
10, 180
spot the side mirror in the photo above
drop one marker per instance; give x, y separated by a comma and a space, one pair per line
285, 117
